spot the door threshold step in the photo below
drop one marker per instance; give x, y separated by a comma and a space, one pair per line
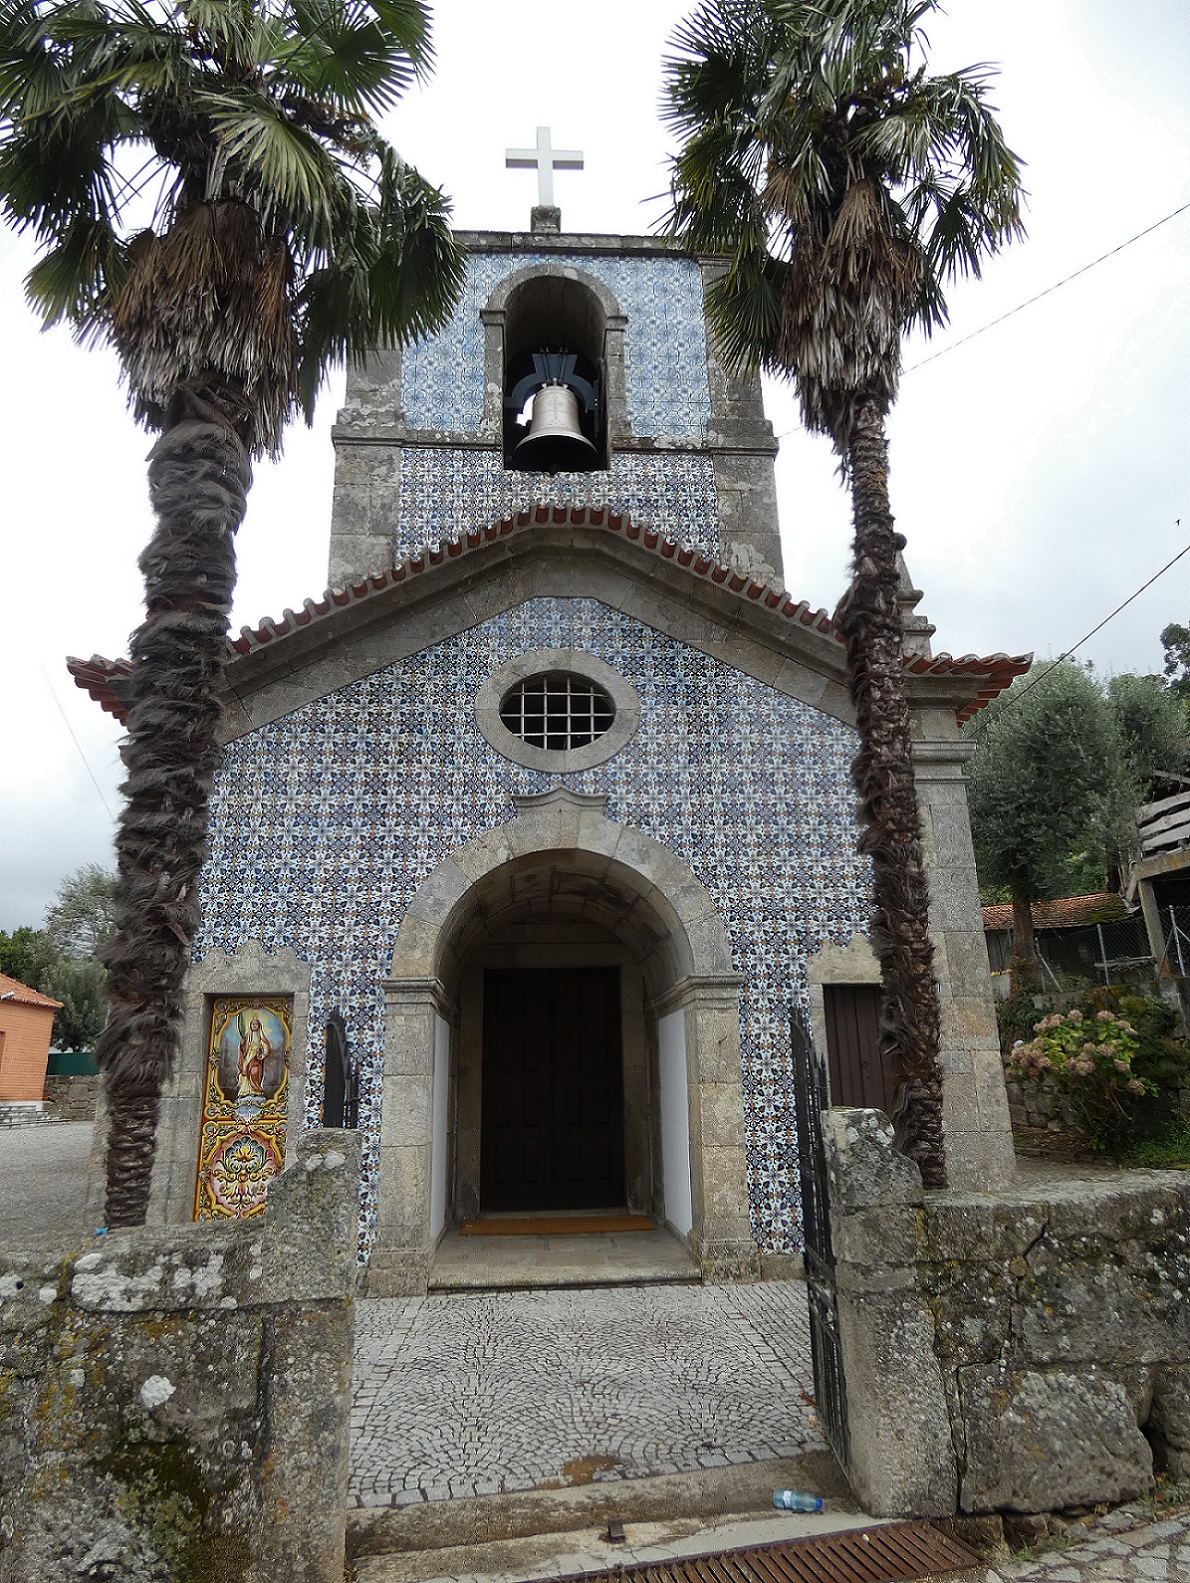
553, 1280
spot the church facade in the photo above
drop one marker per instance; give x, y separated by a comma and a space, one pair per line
548, 799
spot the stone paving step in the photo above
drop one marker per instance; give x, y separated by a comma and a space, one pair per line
545, 1534
526, 1263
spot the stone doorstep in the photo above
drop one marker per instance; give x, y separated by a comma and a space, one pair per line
456, 1531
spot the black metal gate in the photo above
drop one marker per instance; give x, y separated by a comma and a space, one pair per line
340, 1089
830, 1391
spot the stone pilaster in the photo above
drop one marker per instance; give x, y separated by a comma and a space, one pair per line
979, 1149
400, 1260
721, 1238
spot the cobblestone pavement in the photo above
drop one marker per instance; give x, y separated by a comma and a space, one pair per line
43, 1184
1121, 1547
475, 1394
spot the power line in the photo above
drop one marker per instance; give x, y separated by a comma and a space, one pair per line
1015, 698
1029, 301
1065, 281
77, 743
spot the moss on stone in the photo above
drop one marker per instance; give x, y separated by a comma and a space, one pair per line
161, 1492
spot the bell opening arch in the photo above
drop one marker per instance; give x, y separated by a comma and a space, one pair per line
554, 334
561, 894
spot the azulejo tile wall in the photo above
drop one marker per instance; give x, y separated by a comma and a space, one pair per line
441, 492
665, 351
325, 823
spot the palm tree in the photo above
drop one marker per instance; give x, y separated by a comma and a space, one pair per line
844, 187
213, 198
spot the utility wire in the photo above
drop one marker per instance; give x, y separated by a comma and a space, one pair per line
1029, 301
1015, 698
1065, 281
77, 743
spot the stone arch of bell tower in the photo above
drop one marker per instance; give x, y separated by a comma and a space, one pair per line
554, 302
562, 847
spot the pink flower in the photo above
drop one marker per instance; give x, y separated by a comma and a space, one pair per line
1121, 1066
1104, 1016
1136, 1086
1075, 1016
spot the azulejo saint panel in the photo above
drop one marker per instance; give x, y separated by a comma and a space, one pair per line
245, 1104
325, 823
665, 345
441, 492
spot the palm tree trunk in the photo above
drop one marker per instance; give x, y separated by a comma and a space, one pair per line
199, 476
870, 619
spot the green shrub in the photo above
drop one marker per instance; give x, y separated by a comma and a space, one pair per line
1089, 1058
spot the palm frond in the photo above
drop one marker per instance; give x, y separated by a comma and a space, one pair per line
341, 52
813, 137
74, 280
262, 148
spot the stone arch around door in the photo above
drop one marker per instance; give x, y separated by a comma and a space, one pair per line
562, 858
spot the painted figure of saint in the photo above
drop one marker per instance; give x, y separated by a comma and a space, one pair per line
254, 1051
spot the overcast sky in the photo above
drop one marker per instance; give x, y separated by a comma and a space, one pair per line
1038, 471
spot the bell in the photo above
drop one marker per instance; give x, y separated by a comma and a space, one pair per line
555, 443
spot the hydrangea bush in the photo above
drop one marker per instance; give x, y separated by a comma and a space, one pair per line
1089, 1059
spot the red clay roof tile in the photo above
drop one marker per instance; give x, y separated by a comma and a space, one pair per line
102, 677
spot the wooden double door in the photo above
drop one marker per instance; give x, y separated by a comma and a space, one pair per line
553, 1090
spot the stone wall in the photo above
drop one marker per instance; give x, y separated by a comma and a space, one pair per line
1018, 1352
174, 1404
73, 1096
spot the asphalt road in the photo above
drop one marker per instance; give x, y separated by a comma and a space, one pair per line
43, 1176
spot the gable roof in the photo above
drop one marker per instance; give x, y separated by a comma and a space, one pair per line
13, 989
570, 551
1068, 912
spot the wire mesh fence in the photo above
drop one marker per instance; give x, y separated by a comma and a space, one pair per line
1096, 953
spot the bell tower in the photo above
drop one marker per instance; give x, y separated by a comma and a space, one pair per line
576, 370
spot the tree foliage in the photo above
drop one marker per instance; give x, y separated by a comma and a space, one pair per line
24, 955
61, 960
1049, 776
1152, 722
78, 983
1175, 641
83, 918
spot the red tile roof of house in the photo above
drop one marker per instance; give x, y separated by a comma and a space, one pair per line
1068, 912
13, 989
101, 677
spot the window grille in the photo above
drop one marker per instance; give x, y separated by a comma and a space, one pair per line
558, 711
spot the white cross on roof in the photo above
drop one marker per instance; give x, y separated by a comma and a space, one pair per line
545, 160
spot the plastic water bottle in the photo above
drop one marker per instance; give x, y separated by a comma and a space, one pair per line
795, 1501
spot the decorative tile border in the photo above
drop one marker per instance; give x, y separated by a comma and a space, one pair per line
440, 493
325, 823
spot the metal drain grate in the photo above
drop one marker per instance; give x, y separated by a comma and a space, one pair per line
889, 1554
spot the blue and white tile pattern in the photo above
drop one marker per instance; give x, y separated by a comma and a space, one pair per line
665, 349
325, 823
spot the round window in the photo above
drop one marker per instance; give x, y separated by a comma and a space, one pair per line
558, 711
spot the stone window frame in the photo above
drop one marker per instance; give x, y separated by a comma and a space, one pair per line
554, 761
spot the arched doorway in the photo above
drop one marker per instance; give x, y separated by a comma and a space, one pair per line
598, 957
